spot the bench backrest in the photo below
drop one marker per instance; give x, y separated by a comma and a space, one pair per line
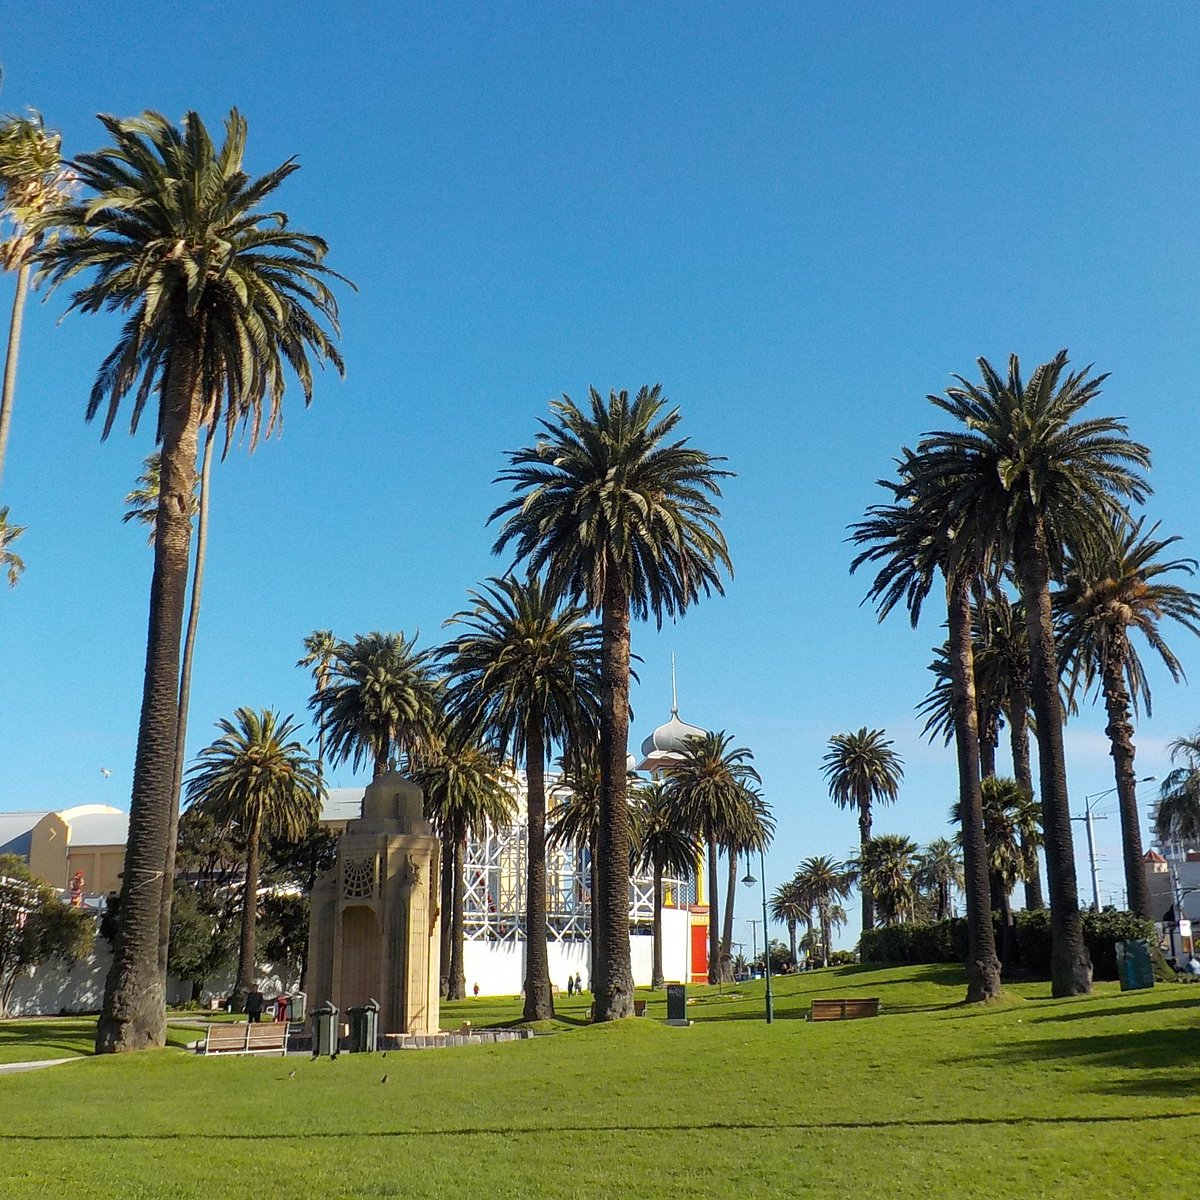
252, 1038
844, 1010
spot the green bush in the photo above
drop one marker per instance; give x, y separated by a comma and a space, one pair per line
946, 941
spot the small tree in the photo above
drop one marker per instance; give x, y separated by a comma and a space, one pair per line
35, 926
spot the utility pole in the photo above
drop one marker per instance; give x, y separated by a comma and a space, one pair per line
1090, 816
753, 939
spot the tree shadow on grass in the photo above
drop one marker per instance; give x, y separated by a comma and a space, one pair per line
508, 1132
1159, 1062
1087, 1012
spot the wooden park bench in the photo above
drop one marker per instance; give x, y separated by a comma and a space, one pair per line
844, 1010
265, 1037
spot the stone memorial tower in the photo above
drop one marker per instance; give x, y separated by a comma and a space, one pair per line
373, 927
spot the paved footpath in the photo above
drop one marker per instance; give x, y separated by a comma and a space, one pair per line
15, 1068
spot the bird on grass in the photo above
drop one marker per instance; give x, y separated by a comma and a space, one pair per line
383, 1080
292, 1074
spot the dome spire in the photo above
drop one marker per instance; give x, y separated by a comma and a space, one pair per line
674, 691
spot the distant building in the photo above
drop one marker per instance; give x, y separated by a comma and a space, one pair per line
89, 838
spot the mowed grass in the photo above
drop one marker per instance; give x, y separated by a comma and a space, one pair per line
1090, 1097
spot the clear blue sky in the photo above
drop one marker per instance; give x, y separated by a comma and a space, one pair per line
800, 219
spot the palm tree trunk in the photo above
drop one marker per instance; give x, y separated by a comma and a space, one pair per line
446, 916
185, 692
826, 935
1018, 724
10, 359
613, 986
1120, 736
1008, 945
714, 942
792, 939
983, 967
864, 836
539, 999
457, 986
656, 970
597, 927
731, 880
381, 761
134, 1010
247, 966
1070, 963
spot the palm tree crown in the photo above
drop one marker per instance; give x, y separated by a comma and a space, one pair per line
603, 493
1178, 815
11, 563
380, 699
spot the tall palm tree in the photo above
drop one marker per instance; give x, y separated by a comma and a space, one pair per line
1178, 816
380, 699
224, 301
321, 650
940, 867
888, 866
32, 181
1114, 587
624, 521
789, 906
1036, 481
862, 770
526, 673
667, 846
11, 563
464, 792
257, 779
822, 884
913, 539
708, 788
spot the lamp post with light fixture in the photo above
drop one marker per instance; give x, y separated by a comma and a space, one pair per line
750, 881
1089, 817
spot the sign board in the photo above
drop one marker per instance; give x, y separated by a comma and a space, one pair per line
1185, 928
676, 1002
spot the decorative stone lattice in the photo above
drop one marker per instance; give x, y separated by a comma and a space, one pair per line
358, 878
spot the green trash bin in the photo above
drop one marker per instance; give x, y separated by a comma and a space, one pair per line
676, 1002
325, 1034
1134, 966
364, 1027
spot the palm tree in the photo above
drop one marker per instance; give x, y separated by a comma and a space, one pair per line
821, 884
667, 845
464, 792
1035, 482
861, 770
789, 906
887, 867
622, 520
575, 823
1012, 826
32, 181
940, 867
11, 563
321, 650
708, 788
257, 781
526, 674
1178, 817
750, 831
224, 300
1114, 587
914, 538
380, 699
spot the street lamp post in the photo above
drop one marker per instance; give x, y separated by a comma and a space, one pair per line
1088, 818
750, 881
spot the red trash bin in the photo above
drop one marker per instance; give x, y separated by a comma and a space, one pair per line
281, 1007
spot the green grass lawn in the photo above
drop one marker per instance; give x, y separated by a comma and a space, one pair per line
1094, 1097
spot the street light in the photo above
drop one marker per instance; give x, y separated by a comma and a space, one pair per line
750, 881
1088, 818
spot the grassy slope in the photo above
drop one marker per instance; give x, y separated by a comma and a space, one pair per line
1091, 1097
